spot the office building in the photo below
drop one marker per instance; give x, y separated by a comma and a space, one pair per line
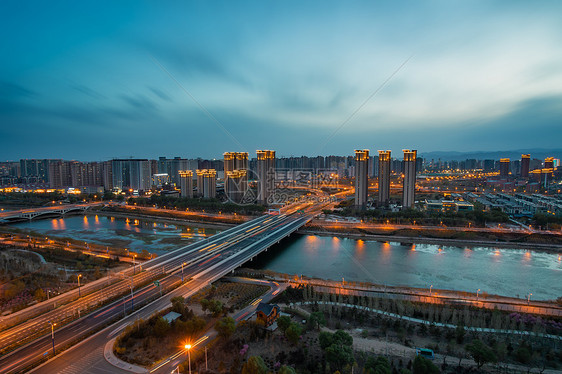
525, 163
549, 163
504, 168
265, 175
384, 178
186, 183
361, 177
409, 184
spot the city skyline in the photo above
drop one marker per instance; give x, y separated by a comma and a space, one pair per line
109, 81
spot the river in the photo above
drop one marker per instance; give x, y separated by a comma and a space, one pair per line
503, 271
507, 272
130, 233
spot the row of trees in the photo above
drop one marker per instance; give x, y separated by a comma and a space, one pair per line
199, 204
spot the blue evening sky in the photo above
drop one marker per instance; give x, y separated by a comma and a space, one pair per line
101, 79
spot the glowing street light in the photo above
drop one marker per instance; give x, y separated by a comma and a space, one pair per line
53, 334
430, 287
477, 291
183, 263
78, 277
188, 348
529, 298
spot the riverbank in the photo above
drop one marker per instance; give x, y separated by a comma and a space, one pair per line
159, 219
436, 296
472, 242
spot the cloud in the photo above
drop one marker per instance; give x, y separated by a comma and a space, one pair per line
87, 91
160, 94
13, 91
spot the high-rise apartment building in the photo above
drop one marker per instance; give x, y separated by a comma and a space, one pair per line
525, 163
504, 168
384, 177
236, 185
409, 185
265, 175
186, 183
361, 177
131, 174
207, 183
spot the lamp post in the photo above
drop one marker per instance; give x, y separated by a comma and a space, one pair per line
477, 291
134, 264
132, 296
529, 298
53, 335
430, 287
183, 263
78, 277
187, 348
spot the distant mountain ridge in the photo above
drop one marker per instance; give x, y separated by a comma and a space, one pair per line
493, 155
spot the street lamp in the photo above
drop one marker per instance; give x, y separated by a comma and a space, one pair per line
78, 277
529, 298
183, 263
132, 296
53, 334
187, 348
134, 264
430, 287
477, 291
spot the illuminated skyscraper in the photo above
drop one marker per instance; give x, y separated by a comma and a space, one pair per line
235, 162
186, 183
384, 177
266, 175
207, 183
549, 163
525, 162
241, 161
229, 162
504, 167
409, 185
361, 177
236, 185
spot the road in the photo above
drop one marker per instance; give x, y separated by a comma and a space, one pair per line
205, 261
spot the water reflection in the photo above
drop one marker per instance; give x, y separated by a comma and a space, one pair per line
135, 234
509, 272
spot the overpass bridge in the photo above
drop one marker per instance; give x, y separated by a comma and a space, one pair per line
29, 214
201, 263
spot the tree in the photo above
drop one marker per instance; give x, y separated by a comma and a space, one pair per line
379, 365
325, 339
480, 352
523, 355
339, 355
225, 327
424, 366
283, 322
338, 348
39, 294
293, 333
459, 334
286, 370
315, 320
161, 327
254, 365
